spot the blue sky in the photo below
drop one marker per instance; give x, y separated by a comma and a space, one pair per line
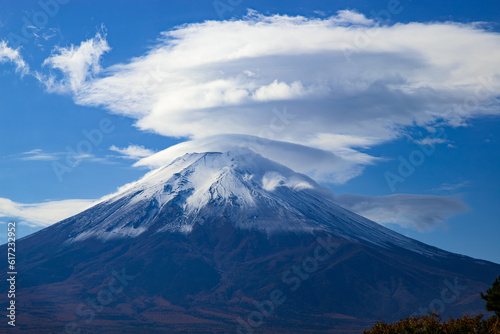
365, 84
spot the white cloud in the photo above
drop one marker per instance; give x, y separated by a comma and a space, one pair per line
76, 65
43, 214
422, 212
321, 165
271, 180
447, 187
279, 91
349, 18
432, 141
185, 79
350, 82
41, 155
133, 152
8, 54
38, 154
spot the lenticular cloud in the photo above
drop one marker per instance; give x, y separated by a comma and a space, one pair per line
347, 82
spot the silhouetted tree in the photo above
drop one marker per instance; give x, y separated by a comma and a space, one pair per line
432, 324
492, 298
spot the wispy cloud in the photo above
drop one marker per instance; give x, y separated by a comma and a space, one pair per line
8, 54
75, 64
38, 154
41, 155
450, 187
43, 214
133, 152
422, 212
431, 141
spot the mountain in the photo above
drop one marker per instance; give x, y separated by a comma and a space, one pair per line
231, 243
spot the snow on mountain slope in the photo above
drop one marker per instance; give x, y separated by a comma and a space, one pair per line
206, 237
243, 188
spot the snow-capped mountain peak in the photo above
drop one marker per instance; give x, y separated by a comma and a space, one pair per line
239, 188
197, 185
215, 176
